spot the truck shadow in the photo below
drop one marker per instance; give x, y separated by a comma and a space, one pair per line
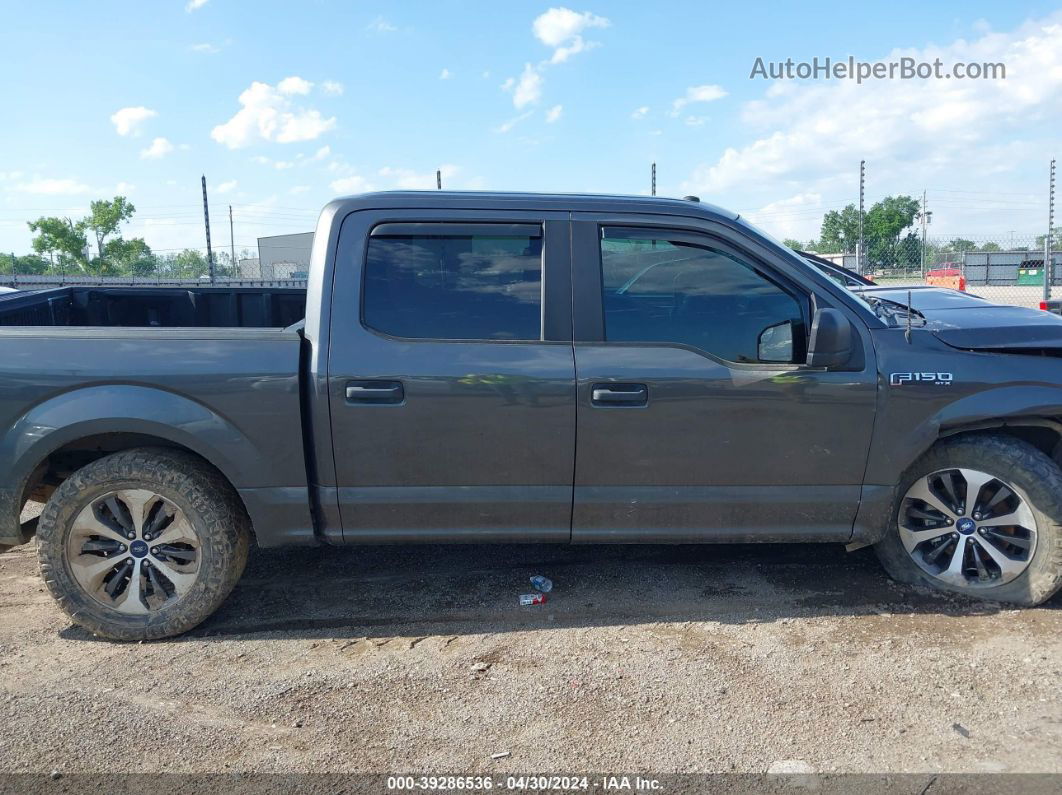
413, 591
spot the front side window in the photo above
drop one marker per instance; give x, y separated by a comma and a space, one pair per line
441, 281
661, 290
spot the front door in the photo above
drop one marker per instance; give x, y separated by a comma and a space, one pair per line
452, 376
697, 418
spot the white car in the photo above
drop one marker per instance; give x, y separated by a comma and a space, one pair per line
7, 289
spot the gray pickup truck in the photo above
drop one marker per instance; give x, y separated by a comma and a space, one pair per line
487, 367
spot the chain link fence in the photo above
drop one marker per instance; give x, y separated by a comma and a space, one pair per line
1005, 270
188, 266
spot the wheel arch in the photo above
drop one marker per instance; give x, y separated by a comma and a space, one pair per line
80, 426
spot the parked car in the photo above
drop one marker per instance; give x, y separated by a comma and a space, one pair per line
492, 367
4, 290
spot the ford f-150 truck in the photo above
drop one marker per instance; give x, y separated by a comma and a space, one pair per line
488, 367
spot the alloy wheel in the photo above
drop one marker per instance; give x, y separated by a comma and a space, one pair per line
134, 551
967, 528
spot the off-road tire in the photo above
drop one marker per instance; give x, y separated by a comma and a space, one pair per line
1013, 461
208, 501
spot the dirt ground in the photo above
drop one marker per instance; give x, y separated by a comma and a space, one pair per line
645, 659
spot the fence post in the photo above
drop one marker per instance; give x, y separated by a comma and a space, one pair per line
1049, 265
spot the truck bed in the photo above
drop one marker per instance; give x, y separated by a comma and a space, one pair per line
162, 307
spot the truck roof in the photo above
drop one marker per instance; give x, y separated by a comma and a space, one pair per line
580, 202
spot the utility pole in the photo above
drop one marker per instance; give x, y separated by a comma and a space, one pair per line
654, 180
926, 217
206, 223
232, 245
1049, 265
438, 179
859, 245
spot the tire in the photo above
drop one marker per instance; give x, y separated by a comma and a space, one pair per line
193, 513
1031, 477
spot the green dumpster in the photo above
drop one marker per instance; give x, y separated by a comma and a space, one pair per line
1030, 276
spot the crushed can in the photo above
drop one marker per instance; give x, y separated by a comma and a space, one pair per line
532, 598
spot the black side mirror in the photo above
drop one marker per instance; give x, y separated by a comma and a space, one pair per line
830, 344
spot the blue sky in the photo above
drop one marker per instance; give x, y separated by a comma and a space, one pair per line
337, 97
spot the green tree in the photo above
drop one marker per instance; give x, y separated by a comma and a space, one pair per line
61, 238
883, 230
105, 218
68, 239
961, 244
796, 245
991, 247
840, 231
1056, 239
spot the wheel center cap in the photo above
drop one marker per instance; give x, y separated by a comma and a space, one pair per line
138, 548
966, 526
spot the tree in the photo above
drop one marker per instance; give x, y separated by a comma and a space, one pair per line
840, 231
991, 247
962, 244
62, 238
105, 217
68, 240
129, 256
796, 245
1056, 239
883, 227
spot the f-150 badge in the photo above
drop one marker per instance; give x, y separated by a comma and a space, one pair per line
937, 379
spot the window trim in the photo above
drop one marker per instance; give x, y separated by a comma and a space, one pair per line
701, 239
534, 230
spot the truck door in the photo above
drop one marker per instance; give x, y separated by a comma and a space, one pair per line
697, 418
451, 376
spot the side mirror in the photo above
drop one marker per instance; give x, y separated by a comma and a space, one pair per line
830, 343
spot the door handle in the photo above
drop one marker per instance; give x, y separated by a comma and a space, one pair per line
375, 392
620, 395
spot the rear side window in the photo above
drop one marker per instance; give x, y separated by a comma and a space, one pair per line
454, 282
661, 290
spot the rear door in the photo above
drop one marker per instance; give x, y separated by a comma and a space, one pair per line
697, 417
452, 376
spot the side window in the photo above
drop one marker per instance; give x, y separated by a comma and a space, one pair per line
454, 282
660, 290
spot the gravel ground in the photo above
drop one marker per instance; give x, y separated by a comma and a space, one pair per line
648, 658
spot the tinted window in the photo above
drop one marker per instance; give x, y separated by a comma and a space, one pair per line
656, 290
436, 285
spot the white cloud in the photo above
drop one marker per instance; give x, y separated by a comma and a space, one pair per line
128, 121
640, 113
554, 114
705, 93
788, 217
810, 136
332, 87
381, 25
322, 153
408, 179
279, 165
562, 29
124, 188
52, 187
195, 5
225, 187
506, 126
294, 85
297, 189
267, 113
206, 48
351, 184
695, 121
527, 90
160, 147
445, 74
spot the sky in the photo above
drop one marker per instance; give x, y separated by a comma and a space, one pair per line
284, 105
